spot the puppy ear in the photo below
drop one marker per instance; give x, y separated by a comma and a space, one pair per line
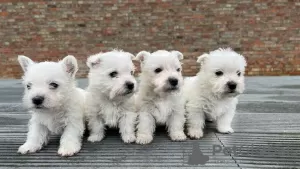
178, 54
141, 56
25, 62
70, 65
93, 61
244, 61
132, 57
201, 59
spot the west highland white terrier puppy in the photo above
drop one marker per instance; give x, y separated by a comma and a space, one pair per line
213, 93
159, 99
109, 99
55, 104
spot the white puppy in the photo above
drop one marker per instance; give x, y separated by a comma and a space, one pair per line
56, 105
159, 97
213, 92
109, 99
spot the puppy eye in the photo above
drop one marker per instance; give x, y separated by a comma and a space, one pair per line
178, 70
28, 86
131, 72
113, 74
53, 85
238, 73
157, 70
219, 73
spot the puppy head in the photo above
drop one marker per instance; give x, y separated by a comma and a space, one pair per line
224, 71
112, 73
162, 69
47, 84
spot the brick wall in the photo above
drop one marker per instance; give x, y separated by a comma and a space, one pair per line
265, 31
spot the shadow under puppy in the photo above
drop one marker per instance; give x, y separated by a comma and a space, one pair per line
159, 99
109, 99
55, 103
214, 91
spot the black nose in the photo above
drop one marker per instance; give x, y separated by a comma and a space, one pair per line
173, 81
38, 100
129, 85
231, 85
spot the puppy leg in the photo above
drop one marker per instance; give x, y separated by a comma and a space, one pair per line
96, 128
224, 122
145, 128
127, 126
70, 142
195, 122
175, 126
38, 135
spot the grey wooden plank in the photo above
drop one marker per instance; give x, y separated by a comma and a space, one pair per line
243, 106
118, 167
267, 114
268, 107
112, 152
264, 150
267, 122
264, 123
12, 107
243, 122
270, 98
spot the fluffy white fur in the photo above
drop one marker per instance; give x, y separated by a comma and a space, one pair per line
157, 100
55, 104
208, 94
109, 101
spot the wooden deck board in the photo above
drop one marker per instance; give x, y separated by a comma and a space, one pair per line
268, 117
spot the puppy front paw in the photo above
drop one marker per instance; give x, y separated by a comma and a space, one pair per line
28, 148
128, 138
225, 130
144, 138
195, 133
95, 137
178, 136
69, 149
